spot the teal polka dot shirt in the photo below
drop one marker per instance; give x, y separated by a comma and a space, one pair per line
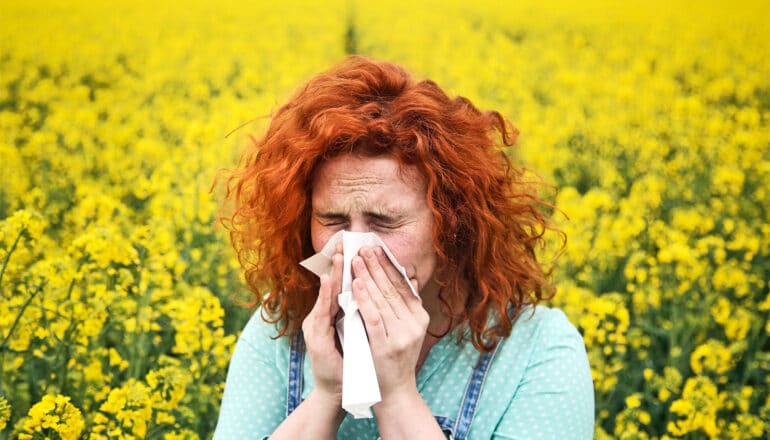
538, 386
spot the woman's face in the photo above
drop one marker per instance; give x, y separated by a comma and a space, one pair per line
376, 194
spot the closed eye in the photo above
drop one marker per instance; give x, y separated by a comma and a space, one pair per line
376, 221
330, 220
386, 226
384, 220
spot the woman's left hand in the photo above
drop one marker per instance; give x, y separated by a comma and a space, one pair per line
395, 320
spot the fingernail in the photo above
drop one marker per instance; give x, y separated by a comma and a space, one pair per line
378, 251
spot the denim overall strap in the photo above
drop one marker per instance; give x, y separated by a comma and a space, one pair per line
447, 425
296, 359
472, 394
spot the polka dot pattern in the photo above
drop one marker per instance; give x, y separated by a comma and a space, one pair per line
538, 387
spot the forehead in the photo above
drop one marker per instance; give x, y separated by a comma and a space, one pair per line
378, 170
352, 174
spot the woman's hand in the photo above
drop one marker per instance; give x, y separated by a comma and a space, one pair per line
396, 323
321, 337
320, 414
395, 320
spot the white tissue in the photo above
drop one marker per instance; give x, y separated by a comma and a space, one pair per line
360, 389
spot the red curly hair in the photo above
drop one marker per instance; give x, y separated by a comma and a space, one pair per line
487, 220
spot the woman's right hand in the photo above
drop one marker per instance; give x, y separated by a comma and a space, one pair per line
321, 336
320, 414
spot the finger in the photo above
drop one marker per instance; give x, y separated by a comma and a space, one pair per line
410, 271
376, 296
416, 285
381, 290
409, 299
327, 324
370, 313
318, 320
336, 273
334, 286
323, 296
325, 299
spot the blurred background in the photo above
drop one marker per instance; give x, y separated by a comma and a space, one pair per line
120, 295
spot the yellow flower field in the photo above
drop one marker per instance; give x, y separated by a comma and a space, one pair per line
120, 296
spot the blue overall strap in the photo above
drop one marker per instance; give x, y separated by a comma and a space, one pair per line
296, 359
472, 394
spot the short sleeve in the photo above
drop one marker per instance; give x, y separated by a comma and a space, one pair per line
254, 401
555, 398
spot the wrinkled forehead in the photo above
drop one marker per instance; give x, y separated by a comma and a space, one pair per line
373, 168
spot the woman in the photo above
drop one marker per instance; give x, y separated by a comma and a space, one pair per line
365, 148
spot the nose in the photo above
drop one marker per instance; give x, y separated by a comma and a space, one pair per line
359, 225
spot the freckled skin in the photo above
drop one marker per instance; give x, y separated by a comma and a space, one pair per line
376, 194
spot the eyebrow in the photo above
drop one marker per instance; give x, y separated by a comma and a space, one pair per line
377, 215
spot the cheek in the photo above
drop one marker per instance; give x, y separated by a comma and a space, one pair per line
319, 236
410, 253
427, 266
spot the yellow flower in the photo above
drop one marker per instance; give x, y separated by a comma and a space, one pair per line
109, 144
739, 324
672, 378
169, 385
746, 426
5, 412
711, 356
698, 405
54, 414
633, 401
721, 311
116, 360
131, 406
765, 304
164, 418
727, 180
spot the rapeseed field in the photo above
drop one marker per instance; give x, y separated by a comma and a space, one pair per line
121, 299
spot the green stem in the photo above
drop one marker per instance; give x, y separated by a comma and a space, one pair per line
202, 376
67, 353
138, 349
66, 342
757, 338
13, 327
142, 336
8, 255
19, 315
